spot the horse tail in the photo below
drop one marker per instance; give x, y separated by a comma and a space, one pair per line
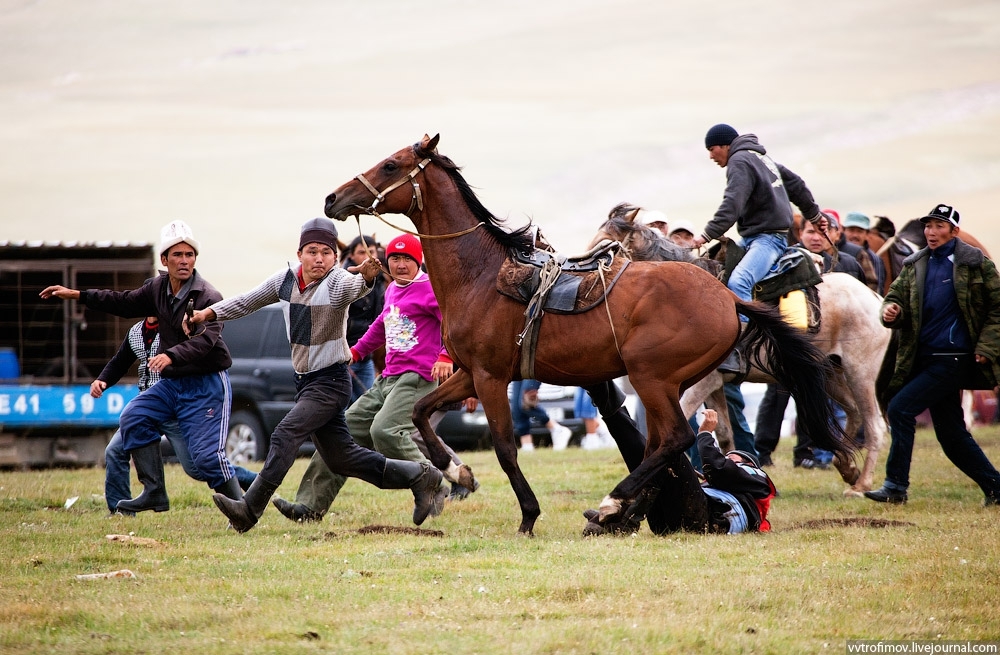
789, 356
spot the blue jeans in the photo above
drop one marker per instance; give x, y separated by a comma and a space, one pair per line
933, 385
520, 416
762, 251
583, 406
117, 484
362, 377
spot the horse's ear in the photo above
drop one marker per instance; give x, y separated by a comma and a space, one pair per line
428, 144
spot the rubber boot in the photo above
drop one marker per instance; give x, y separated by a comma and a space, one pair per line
231, 489
420, 477
243, 514
149, 467
296, 511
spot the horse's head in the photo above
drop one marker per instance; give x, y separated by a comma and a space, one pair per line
643, 243
389, 186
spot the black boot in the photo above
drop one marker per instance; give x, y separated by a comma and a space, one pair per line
296, 511
149, 467
243, 514
421, 478
230, 489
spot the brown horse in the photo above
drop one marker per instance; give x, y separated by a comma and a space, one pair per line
665, 325
849, 334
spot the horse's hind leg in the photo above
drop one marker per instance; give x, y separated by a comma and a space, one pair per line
455, 389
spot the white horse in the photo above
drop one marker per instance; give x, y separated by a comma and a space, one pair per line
850, 334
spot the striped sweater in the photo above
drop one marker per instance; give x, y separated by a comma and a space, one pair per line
315, 318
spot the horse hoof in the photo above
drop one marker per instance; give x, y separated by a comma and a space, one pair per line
609, 507
460, 475
851, 492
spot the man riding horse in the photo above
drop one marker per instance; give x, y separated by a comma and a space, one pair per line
756, 200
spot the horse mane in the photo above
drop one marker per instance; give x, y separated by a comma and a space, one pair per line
645, 243
521, 239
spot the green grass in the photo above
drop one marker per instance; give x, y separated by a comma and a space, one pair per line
821, 577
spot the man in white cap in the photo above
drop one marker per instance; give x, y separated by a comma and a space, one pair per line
682, 233
654, 219
194, 387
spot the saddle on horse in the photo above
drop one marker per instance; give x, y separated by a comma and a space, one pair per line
546, 281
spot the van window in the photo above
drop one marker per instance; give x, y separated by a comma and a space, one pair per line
244, 334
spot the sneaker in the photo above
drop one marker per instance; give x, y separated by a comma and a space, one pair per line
560, 436
887, 495
991, 501
805, 462
765, 460
605, 438
527, 447
590, 441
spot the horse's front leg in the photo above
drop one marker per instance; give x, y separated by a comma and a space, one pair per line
455, 389
493, 395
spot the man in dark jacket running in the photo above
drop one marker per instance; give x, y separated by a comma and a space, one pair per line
194, 389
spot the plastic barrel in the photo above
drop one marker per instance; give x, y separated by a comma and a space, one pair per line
9, 368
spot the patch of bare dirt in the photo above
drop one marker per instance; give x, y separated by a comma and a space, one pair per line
854, 522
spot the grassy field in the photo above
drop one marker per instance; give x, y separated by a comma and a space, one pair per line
833, 569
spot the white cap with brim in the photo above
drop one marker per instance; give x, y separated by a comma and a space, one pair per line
650, 216
174, 233
686, 226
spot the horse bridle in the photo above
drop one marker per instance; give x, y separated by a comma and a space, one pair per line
416, 201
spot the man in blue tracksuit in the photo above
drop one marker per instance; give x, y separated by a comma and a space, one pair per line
194, 389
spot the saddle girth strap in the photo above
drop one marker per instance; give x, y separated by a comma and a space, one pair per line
528, 338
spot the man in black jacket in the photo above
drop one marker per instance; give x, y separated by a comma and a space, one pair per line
194, 388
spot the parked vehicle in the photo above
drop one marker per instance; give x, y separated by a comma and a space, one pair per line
263, 382
469, 431
51, 350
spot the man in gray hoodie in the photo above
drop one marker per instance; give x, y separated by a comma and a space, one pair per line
756, 200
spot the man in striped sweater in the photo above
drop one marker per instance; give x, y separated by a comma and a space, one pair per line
315, 296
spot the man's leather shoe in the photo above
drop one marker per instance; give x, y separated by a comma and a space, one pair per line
886, 495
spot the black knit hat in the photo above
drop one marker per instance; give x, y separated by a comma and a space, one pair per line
319, 230
720, 135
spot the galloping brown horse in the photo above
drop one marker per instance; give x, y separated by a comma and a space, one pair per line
666, 325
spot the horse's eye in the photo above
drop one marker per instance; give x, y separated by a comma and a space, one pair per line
390, 167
